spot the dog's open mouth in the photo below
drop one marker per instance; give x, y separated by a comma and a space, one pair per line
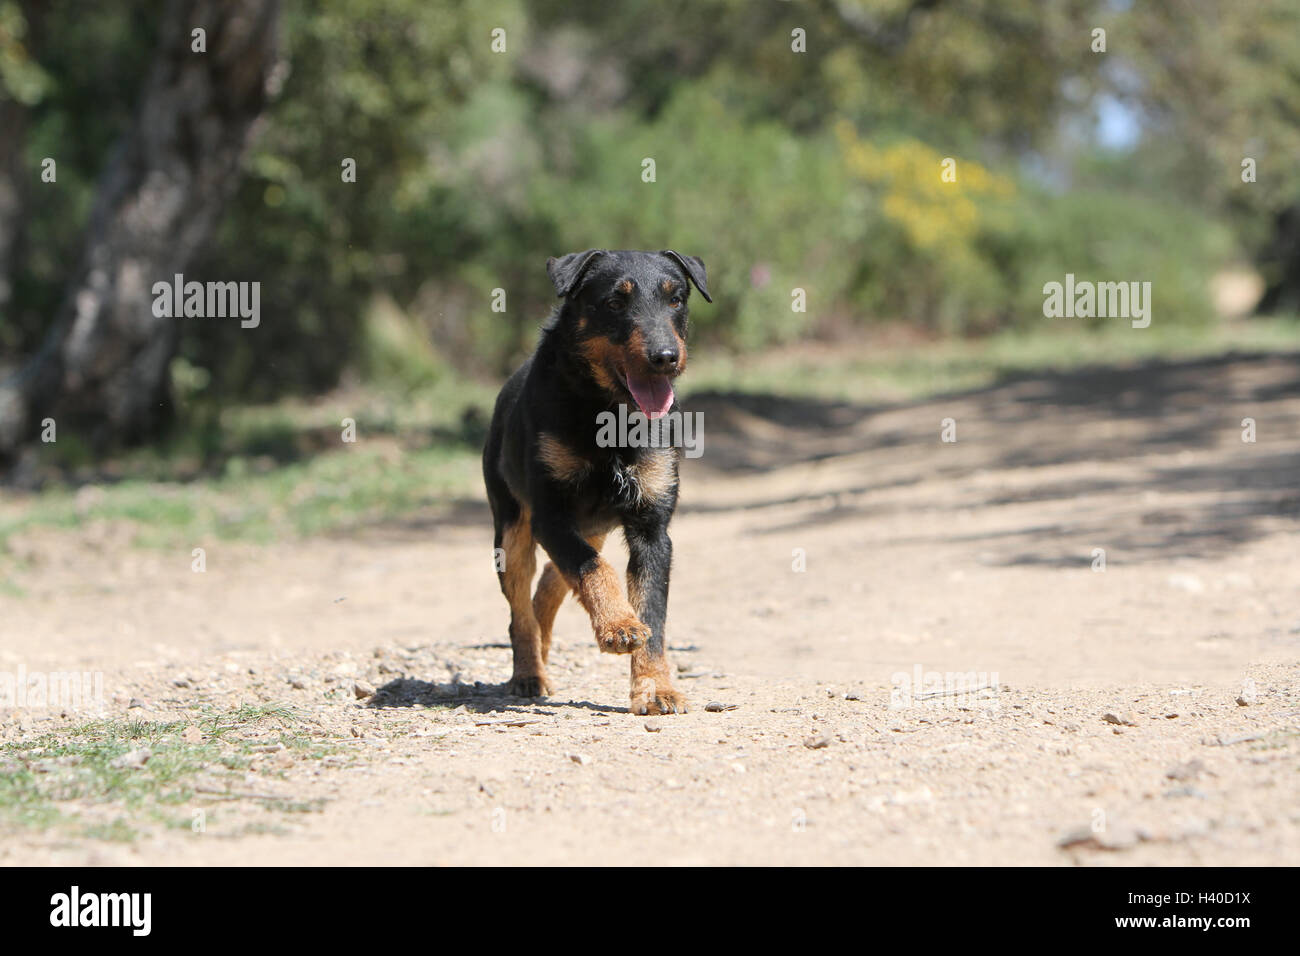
653, 393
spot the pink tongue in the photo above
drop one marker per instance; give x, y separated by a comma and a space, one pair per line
653, 394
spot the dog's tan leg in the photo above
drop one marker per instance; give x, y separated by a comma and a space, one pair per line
652, 686
618, 631
552, 589
529, 678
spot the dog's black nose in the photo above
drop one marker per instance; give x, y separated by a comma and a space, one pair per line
663, 359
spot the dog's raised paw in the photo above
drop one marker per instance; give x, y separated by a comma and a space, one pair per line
667, 701
529, 685
622, 636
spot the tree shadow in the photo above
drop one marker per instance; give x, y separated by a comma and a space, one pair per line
1138, 425
752, 433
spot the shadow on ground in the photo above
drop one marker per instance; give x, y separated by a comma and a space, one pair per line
478, 697
1155, 449
753, 432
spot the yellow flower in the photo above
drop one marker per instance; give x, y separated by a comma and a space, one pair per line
908, 174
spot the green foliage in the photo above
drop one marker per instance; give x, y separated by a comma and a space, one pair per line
817, 171
762, 207
393, 350
1173, 247
21, 77
80, 86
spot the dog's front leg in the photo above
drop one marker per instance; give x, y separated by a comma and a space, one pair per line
651, 556
594, 582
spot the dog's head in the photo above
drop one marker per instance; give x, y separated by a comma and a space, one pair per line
629, 316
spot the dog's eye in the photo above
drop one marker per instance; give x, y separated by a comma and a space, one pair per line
675, 302
615, 304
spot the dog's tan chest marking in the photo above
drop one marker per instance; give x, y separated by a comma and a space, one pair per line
652, 476
560, 460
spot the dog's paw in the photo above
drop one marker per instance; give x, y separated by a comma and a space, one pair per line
622, 636
654, 701
529, 685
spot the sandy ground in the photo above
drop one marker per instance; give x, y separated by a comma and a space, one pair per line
1147, 713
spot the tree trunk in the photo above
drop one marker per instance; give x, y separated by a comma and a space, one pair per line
102, 370
14, 176
1280, 263
13, 120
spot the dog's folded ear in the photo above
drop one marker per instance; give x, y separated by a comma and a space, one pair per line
694, 268
566, 271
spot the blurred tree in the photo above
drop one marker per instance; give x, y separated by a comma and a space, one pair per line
104, 361
1219, 84
381, 83
488, 134
21, 83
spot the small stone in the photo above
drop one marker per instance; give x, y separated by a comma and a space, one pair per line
1113, 837
132, 759
281, 761
653, 727
1186, 582
135, 702
717, 707
905, 798
363, 689
1126, 719
817, 741
1186, 790
180, 682
580, 759
298, 683
1186, 771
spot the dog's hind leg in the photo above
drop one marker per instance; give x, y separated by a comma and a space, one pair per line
518, 551
552, 589
595, 583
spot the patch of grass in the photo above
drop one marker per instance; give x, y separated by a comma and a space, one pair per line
365, 484
218, 726
264, 473
84, 782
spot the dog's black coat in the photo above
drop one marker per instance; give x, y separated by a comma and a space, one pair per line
624, 318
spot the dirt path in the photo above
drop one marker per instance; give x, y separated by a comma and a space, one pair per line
968, 557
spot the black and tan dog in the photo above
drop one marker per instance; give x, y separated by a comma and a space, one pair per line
618, 338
